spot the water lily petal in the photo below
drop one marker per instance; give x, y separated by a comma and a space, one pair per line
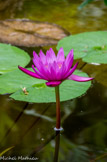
79, 78
52, 53
41, 67
38, 64
71, 71
61, 73
69, 60
60, 56
53, 83
29, 72
55, 71
50, 56
42, 57
38, 73
44, 71
36, 60
35, 55
53, 68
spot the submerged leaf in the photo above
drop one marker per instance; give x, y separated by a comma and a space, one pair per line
29, 33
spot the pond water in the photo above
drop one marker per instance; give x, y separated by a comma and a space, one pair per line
29, 127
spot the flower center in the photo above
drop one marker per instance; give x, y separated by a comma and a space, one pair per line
46, 65
60, 65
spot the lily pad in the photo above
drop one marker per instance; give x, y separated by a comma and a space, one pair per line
96, 56
91, 46
43, 94
11, 57
15, 80
22, 32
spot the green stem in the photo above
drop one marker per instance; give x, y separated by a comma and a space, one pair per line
57, 107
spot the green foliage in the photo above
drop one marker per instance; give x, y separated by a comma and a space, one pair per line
40, 93
96, 56
105, 1
11, 57
15, 80
90, 46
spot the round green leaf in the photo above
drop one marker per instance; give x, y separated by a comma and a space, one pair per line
96, 56
84, 44
15, 80
40, 93
11, 57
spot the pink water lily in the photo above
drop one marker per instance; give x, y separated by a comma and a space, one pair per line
54, 69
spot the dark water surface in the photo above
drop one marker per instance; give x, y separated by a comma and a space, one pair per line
29, 127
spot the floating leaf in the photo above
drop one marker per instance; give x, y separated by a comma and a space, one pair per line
42, 94
85, 44
11, 57
96, 56
14, 80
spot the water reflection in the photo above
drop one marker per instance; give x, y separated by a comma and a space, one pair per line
15, 122
83, 119
57, 144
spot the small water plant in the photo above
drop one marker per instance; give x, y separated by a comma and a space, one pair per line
54, 69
